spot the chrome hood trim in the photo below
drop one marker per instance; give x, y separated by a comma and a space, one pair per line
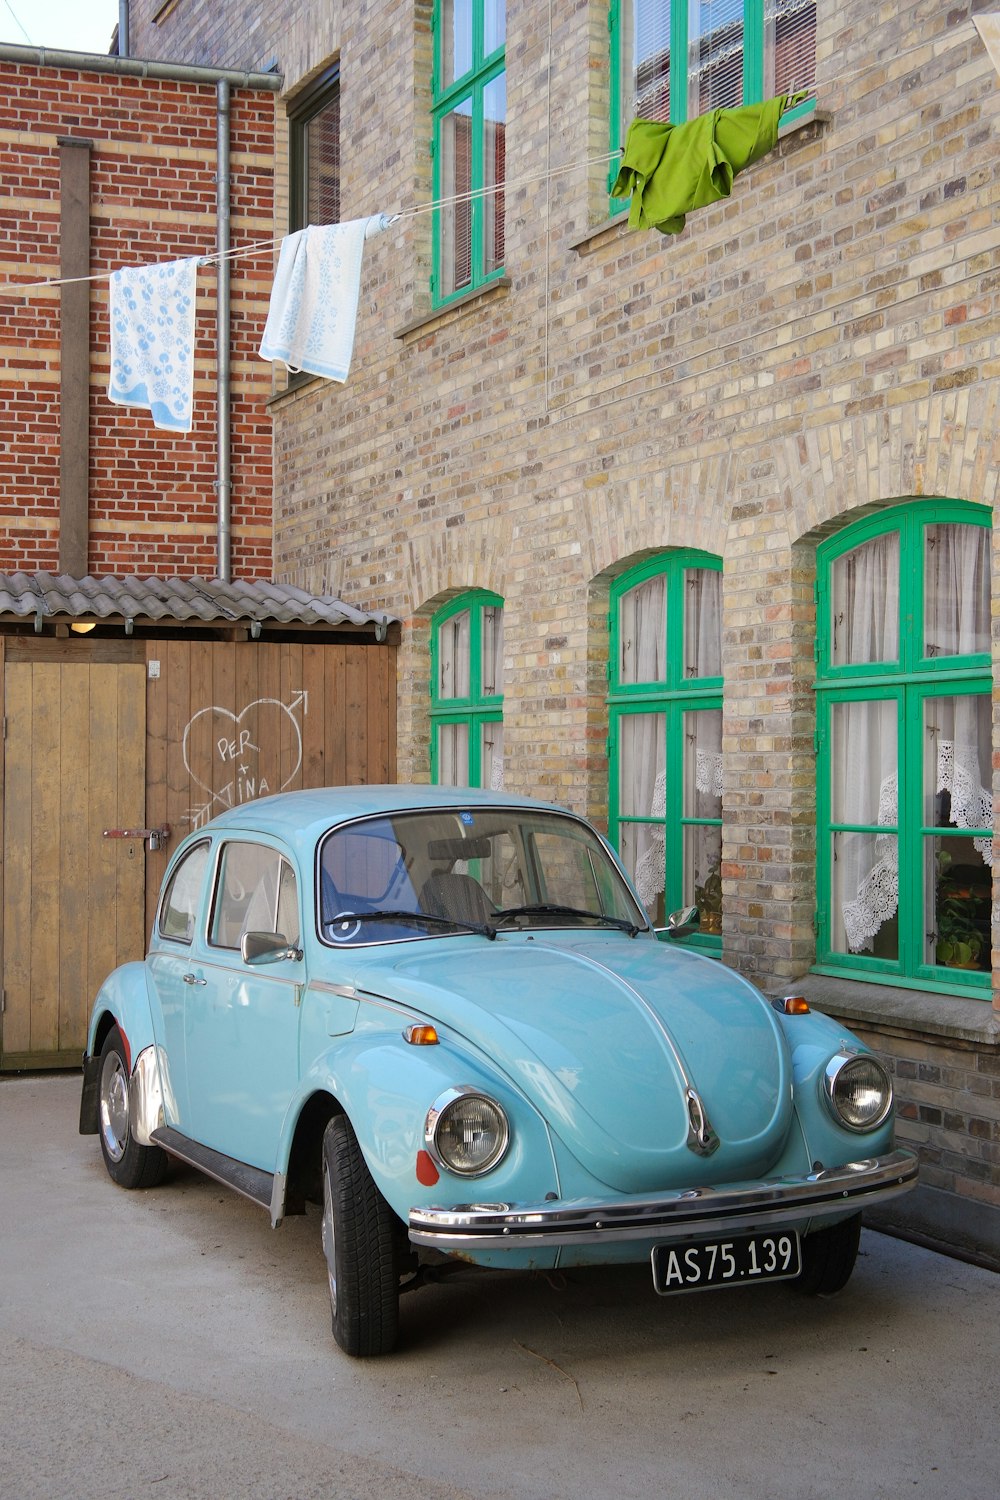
682, 1214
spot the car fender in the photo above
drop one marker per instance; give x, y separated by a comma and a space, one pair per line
386, 1086
124, 998
813, 1040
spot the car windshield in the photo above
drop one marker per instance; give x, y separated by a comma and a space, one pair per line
488, 870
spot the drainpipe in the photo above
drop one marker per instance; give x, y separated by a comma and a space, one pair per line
224, 376
123, 47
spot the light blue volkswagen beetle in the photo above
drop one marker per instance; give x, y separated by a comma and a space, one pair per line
443, 1016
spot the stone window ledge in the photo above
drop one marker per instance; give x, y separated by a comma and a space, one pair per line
946, 1016
440, 315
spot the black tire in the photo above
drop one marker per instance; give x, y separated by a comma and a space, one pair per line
128, 1163
828, 1257
360, 1241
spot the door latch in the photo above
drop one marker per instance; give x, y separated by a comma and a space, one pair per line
156, 837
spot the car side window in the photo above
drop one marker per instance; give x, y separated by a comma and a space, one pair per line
179, 907
255, 891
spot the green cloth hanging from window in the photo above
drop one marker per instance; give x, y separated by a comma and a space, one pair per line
668, 170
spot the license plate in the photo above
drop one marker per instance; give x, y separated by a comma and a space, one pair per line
737, 1261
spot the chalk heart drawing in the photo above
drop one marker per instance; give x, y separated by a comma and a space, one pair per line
234, 757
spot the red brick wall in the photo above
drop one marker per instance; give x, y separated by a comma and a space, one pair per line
153, 501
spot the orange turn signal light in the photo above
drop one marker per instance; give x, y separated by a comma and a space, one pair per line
421, 1036
794, 1005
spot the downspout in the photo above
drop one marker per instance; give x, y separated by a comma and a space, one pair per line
223, 481
123, 46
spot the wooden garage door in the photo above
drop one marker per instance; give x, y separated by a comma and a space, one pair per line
73, 901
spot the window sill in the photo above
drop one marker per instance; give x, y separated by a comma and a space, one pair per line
953, 1016
793, 133
440, 315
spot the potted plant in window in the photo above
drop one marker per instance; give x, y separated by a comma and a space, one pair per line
708, 899
960, 937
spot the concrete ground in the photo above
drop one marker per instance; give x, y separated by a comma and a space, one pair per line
168, 1344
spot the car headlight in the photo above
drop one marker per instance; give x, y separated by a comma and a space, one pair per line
858, 1090
466, 1132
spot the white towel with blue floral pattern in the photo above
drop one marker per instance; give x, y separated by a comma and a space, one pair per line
152, 340
314, 300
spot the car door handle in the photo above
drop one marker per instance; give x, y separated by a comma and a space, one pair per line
193, 979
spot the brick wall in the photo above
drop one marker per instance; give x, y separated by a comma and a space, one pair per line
153, 198
824, 342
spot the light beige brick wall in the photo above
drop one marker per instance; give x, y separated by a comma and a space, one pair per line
826, 341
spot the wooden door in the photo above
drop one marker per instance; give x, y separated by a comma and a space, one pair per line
73, 900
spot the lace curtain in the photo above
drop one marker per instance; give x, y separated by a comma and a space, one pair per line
865, 749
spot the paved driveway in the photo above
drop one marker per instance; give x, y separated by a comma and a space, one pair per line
170, 1344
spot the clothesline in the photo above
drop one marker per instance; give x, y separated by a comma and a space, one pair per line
256, 247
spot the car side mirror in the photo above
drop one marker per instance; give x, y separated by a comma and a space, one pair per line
683, 922
258, 948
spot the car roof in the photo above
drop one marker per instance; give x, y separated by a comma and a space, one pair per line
302, 817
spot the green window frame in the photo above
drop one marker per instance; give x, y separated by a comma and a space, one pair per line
904, 749
468, 145
467, 691
314, 153
749, 51
665, 734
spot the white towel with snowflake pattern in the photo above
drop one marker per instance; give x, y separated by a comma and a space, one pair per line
314, 300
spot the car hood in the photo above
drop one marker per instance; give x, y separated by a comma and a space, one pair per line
606, 1035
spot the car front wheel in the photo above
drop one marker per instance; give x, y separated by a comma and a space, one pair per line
129, 1164
360, 1244
828, 1257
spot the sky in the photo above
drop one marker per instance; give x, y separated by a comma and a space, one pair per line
73, 25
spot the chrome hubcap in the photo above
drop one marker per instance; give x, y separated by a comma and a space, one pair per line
329, 1238
114, 1106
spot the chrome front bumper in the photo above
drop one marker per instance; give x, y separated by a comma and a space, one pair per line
682, 1215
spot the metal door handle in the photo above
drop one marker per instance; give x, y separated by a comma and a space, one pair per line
193, 979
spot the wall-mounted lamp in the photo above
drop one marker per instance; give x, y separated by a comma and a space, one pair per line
83, 627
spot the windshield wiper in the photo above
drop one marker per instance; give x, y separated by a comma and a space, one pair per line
547, 909
432, 918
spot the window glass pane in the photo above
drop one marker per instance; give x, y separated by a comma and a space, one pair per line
715, 55
494, 153
180, 903
492, 662
864, 762
959, 883
789, 46
702, 877
322, 164
865, 882
956, 590
957, 765
456, 39
642, 793
865, 603
492, 756
288, 905
494, 25
642, 632
364, 867
455, 656
645, 61
703, 763
246, 894
702, 623
456, 218
453, 754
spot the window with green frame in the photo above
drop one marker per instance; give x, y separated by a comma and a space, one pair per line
469, 144
467, 692
905, 807
676, 59
665, 734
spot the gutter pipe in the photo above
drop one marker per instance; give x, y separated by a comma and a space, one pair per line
123, 46
223, 381
135, 67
